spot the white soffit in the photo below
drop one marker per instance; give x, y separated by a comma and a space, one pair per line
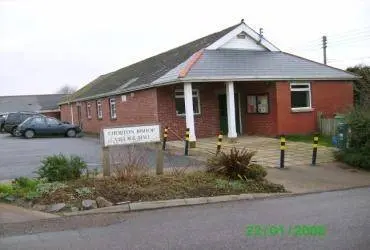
250, 42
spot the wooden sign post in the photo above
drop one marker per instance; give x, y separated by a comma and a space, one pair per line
128, 136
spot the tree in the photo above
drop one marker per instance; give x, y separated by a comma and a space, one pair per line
361, 87
66, 89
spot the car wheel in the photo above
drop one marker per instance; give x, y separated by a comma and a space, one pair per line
14, 131
29, 134
71, 133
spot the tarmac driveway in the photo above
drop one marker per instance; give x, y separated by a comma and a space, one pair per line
21, 157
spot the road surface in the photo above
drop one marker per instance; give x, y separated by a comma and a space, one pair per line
345, 214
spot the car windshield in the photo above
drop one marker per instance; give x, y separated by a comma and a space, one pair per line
26, 121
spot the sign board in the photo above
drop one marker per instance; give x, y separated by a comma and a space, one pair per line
131, 135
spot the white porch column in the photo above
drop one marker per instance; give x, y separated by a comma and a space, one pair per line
189, 112
230, 99
71, 107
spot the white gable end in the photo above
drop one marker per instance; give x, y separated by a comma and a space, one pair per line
251, 40
246, 43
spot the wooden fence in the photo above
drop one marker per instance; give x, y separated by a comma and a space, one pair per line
327, 126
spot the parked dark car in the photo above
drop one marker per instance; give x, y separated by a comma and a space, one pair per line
46, 126
14, 119
2, 121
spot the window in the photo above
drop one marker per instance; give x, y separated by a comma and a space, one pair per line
88, 110
258, 104
38, 121
99, 109
180, 102
300, 96
52, 121
112, 107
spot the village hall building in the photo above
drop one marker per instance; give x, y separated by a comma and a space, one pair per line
234, 81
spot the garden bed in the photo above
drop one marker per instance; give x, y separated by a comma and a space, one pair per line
145, 188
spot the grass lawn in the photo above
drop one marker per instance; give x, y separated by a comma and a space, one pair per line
323, 140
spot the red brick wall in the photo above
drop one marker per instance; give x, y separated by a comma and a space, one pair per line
328, 97
157, 105
292, 122
139, 108
207, 124
332, 97
263, 124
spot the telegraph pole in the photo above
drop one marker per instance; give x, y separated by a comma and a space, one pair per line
324, 45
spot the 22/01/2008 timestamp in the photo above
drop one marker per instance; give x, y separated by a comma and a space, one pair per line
258, 230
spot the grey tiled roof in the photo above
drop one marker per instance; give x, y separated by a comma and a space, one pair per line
242, 64
29, 102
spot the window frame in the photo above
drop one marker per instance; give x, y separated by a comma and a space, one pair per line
99, 109
88, 110
178, 96
113, 117
307, 89
256, 98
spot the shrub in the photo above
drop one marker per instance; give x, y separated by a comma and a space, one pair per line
21, 187
255, 172
358, 153
231, 164
354, 158
359, 122
61, 168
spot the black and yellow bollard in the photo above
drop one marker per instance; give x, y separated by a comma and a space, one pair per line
165, 135
219, 141
187, 136
314, 151
282, 150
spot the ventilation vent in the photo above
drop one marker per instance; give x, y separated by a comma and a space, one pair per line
242, 35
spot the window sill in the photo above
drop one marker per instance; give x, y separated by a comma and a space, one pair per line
185, 115
113, 119
301, 110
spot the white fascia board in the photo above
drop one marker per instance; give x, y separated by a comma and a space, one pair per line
250, 32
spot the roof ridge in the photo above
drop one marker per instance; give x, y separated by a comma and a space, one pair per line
194, 58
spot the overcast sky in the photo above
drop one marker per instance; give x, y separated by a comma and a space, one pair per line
47, 44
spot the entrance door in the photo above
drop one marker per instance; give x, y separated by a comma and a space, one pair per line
223, 113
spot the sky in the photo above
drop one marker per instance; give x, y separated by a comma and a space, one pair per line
45, 45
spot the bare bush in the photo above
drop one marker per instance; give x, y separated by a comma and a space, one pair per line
129, 162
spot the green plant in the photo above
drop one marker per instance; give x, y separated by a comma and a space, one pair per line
230, 185
84, 191
231, 164
255, 172
358, 153
6, 190
49, 187
61, 168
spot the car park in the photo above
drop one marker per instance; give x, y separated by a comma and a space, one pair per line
13, 119
46, 126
